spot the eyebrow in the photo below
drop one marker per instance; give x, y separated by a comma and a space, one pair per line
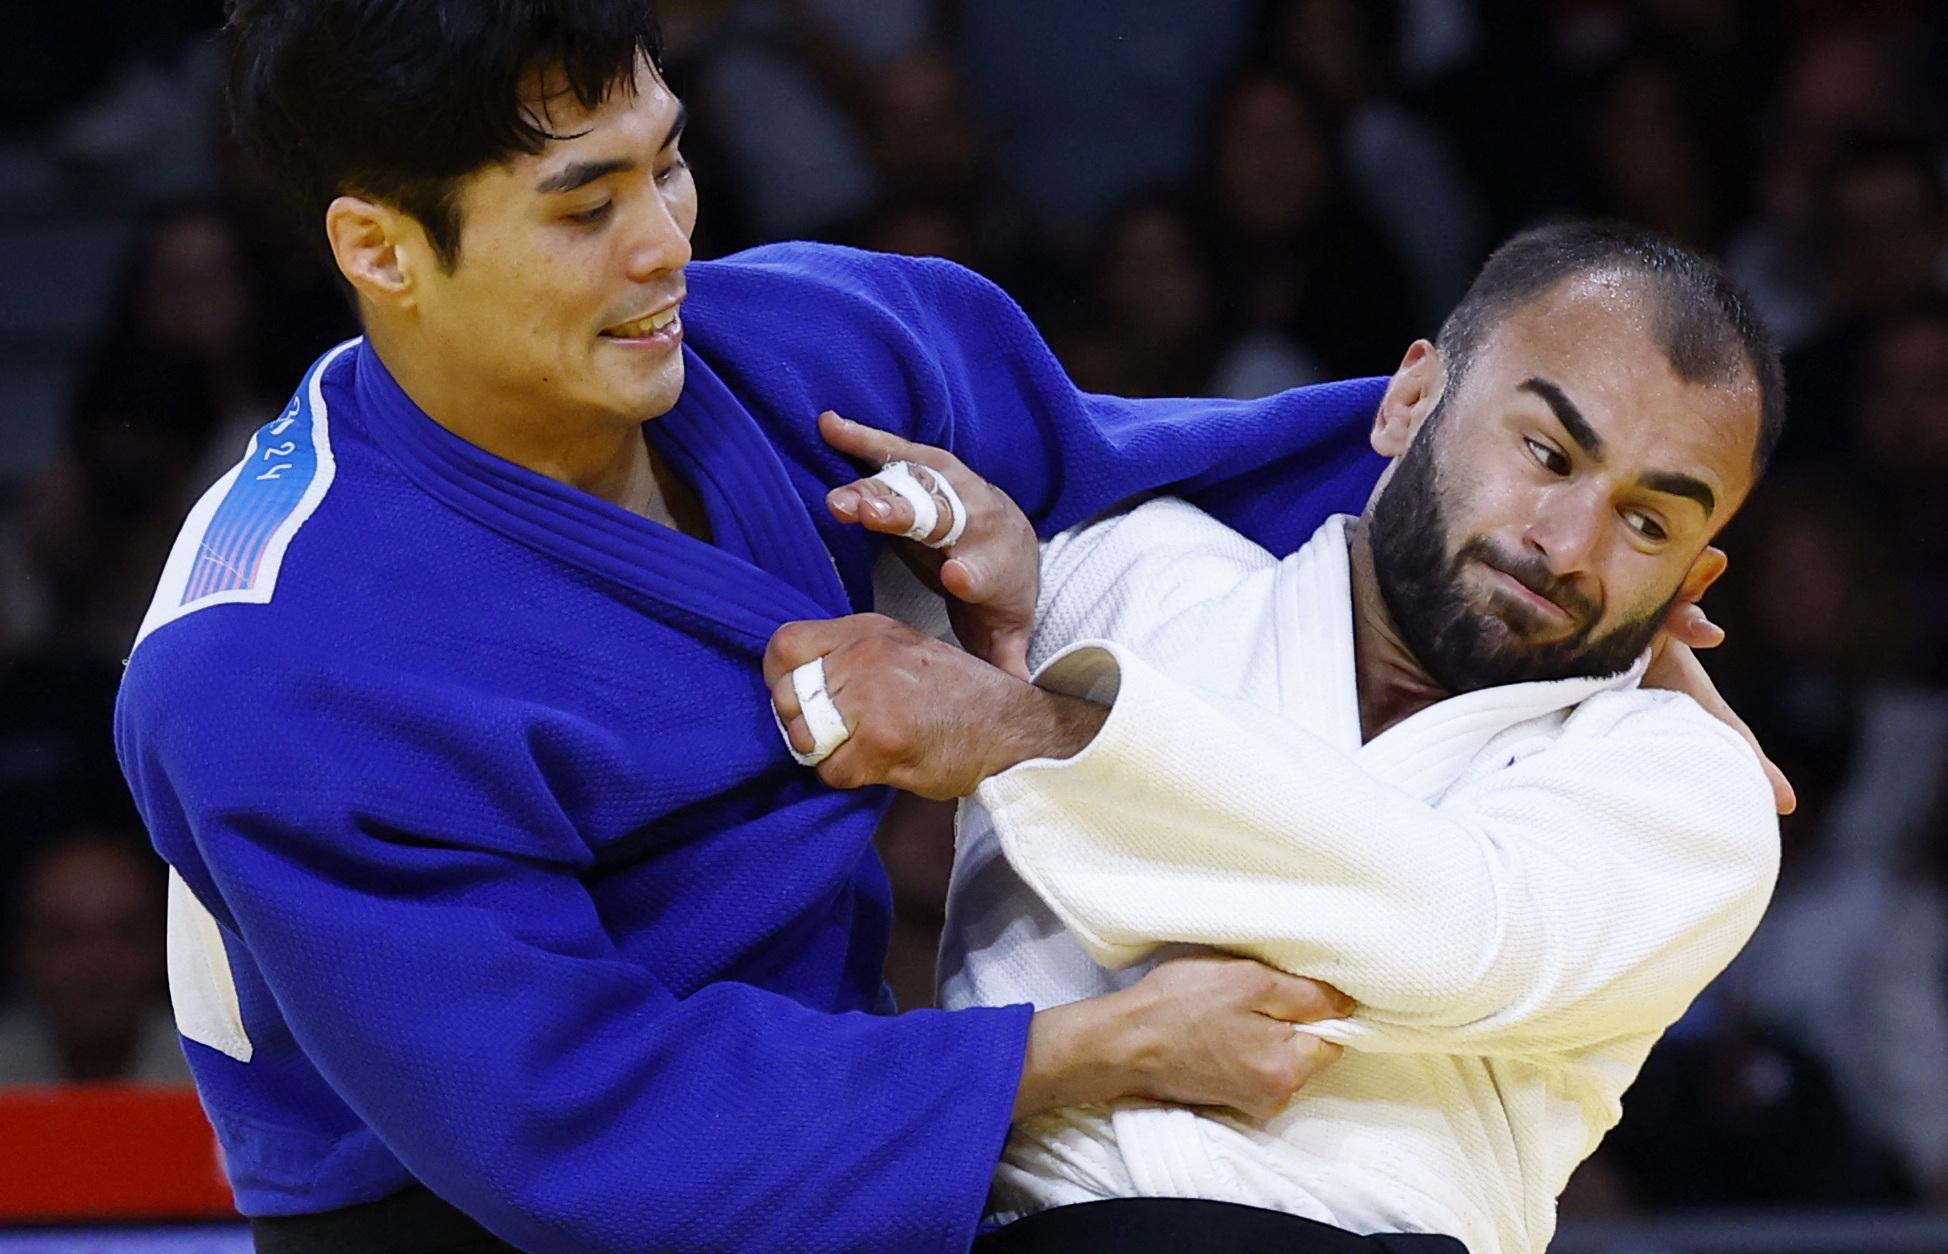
1680, 485
580, 174
1670, 482
1568, 415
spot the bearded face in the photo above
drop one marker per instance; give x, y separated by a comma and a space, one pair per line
1452, 599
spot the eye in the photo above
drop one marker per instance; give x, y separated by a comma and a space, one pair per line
669, 173
1551, 460
589, 217
1644, 525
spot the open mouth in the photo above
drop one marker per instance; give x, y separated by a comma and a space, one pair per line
644, 327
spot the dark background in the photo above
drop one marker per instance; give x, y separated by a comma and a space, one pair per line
1227, 196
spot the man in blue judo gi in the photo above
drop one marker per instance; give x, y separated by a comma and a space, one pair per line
500, 916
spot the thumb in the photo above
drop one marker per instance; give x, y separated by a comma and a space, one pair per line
961, 577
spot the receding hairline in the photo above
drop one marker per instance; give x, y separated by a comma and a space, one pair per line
1668, 326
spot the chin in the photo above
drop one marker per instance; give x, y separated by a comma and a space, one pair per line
663, 391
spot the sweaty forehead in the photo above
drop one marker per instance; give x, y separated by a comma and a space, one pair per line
1595, 337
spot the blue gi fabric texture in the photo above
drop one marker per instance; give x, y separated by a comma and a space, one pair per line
521, 893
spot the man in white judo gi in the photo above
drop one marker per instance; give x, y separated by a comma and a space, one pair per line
1415, 760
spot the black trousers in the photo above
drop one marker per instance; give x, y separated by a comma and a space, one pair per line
1175, 1225
409, 1222
416, 1222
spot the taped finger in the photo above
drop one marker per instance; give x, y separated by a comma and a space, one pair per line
903, 479
821, 717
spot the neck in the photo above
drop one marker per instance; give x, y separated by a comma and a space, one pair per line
1393, 685
606, 459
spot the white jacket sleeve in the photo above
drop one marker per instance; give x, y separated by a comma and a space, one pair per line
1585, 893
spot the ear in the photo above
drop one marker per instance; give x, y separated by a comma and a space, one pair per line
1705, 571
374, 245
1411, 396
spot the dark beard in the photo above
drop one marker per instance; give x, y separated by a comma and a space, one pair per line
1464, 646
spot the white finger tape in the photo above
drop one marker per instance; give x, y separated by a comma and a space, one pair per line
821, 715
900, 477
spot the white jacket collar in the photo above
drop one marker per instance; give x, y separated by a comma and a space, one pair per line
1320, 680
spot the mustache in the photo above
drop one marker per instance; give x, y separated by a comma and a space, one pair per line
1534, 574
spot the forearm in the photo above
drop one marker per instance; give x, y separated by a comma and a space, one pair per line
1183, 825
1043, 725
1565, 903
1072, 1060
1197, 1031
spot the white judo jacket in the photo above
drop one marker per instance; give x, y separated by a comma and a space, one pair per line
1521, 886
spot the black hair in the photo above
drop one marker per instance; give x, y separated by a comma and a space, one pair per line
400, 99
1704, 324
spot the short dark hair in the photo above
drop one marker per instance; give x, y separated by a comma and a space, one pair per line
1704, 324
400, 99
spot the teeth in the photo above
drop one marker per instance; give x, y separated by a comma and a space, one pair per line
645, 326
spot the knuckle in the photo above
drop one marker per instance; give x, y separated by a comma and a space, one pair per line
788, 641
1251, 980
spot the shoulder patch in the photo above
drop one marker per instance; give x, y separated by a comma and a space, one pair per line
233, 542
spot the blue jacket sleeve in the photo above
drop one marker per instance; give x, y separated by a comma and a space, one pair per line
938, 353
435, 955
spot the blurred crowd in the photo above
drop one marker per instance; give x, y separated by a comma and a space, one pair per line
1228, 197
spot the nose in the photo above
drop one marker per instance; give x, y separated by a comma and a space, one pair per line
659, 244
1567, 528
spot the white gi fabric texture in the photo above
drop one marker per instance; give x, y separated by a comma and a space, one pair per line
1521, 886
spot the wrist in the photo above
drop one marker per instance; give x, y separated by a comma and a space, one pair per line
1078, 1055
1046, 725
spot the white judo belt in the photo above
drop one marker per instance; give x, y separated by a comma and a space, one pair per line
821, 715
900, 477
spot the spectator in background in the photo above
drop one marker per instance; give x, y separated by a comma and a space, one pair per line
1400, 167
146, 131
785, 84
1295, 257
1836, 85
1650, 162
940, 188
1088, 103
185, 292
1882, 224
1902, 441
1149, 329
88, 958
57, 765
923, 227
97, 528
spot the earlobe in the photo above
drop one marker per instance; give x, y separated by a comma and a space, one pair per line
365, 239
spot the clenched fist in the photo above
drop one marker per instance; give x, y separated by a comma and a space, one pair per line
919, 714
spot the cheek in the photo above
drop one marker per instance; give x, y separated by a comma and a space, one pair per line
683, 206
1639, 586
